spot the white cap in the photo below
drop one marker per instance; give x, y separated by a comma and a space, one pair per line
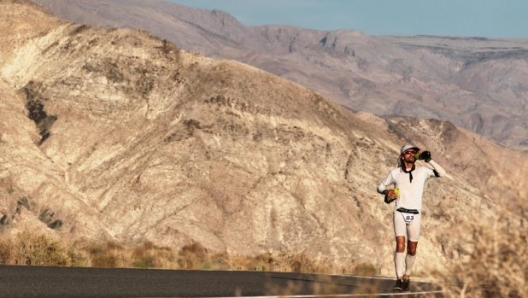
407, 147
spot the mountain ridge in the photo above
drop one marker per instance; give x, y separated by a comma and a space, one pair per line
461, 80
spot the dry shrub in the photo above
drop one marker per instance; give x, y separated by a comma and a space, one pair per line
262, 262
27, 248
304, 263
216, 261
192, 256
493, 262
32, 249
364, 269
195, 256
143, 256
148, 255
108, 255
284, 262
115, 255
301, 263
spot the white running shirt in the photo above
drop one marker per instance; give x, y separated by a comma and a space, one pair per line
411, 193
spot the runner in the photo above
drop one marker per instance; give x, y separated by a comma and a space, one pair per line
405, 185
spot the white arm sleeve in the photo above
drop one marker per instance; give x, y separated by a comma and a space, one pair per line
438, 168
381, 188
383, 185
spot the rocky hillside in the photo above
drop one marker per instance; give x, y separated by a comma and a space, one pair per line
116, 134
476, 83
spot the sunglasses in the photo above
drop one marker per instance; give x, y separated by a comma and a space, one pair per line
412, 152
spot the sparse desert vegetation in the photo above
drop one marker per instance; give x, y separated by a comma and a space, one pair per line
492, 260
28, 248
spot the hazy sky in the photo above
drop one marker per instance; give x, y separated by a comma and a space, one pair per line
468, 18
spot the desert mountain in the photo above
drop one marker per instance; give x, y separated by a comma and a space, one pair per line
476, 83
117, 134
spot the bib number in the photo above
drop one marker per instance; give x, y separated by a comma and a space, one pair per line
408, 217
408, 214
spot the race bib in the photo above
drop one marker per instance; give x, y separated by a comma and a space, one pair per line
408, 214
408, 217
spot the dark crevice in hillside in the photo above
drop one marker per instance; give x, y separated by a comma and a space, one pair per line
79, 29
8, 216
36, 112
48, 217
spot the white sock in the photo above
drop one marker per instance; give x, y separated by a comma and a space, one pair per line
399, 263
409, 262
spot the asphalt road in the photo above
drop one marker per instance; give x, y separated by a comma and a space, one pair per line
32, 281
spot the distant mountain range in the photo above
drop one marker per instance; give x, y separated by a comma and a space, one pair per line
476, 83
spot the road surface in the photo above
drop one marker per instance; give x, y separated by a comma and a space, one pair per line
33, 281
